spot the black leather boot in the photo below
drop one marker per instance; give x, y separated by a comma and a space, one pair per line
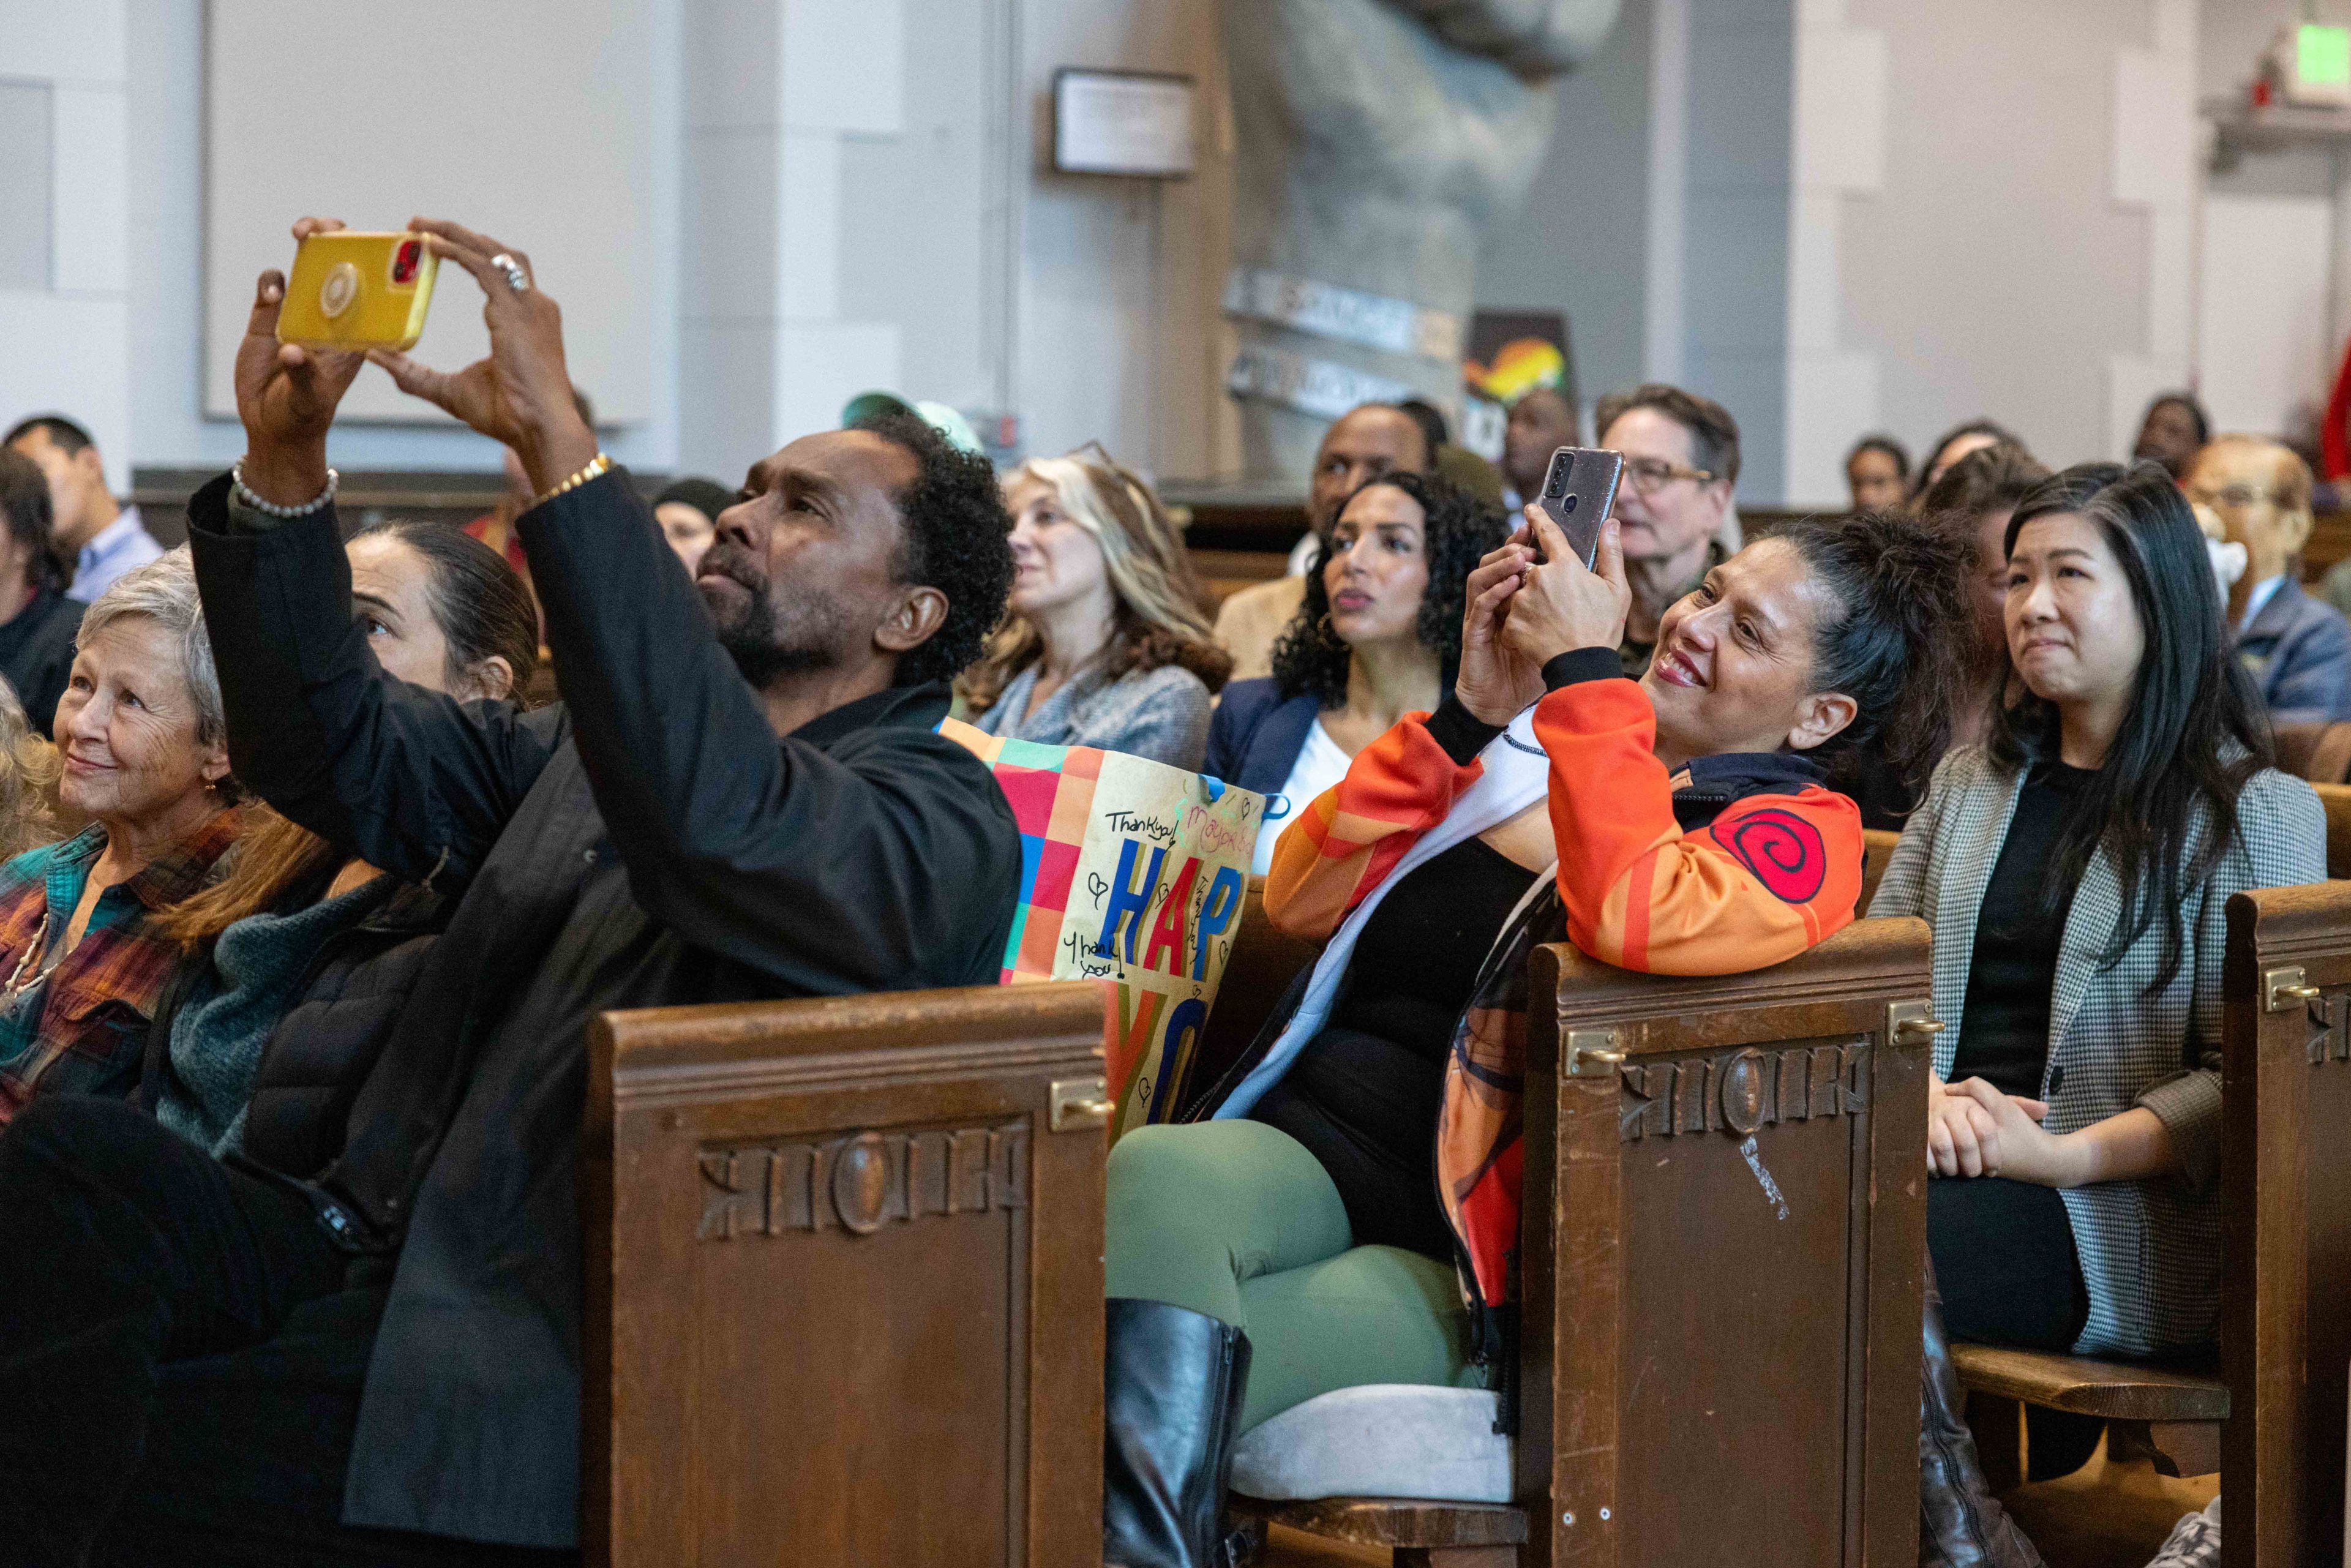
1172, 1406
1960, 1523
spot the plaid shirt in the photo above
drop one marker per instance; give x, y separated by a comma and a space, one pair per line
81, 1027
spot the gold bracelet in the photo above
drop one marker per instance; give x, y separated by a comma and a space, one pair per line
597, 468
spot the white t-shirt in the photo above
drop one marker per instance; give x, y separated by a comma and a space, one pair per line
1319, 764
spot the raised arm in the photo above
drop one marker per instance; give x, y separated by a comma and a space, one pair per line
857, 850
1347, 841
411, 780
1768, 878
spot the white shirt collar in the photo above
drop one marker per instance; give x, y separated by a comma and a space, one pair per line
2257, 598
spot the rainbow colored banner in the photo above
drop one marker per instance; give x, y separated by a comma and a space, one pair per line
1131, 871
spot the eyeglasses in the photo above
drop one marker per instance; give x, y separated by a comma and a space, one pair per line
1650, 474
2234, 497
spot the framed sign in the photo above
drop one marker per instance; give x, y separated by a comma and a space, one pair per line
1122, 123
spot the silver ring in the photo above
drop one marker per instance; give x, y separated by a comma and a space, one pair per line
516, 279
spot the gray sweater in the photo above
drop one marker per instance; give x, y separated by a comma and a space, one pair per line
1160, 713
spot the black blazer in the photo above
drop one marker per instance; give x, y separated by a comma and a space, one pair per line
654, 841
1257, 734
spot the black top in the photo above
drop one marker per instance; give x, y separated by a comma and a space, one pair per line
654, 843
2004, 1029
37, 654
1365, 1094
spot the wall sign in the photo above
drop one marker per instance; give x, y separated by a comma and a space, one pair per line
1122, 123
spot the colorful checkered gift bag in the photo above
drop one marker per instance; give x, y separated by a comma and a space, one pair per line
1132, 871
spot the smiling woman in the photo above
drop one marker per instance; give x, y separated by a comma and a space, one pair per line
2076, 871
146, 754
1347, 1193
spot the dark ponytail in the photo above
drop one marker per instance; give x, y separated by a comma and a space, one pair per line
478, 601
1897, 639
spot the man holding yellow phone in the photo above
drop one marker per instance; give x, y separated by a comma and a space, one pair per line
745, 796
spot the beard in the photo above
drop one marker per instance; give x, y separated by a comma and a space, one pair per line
768, 633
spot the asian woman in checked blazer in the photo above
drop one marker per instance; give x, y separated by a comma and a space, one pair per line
2075, 869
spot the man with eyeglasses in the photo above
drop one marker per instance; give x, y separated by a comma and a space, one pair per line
1365, 442
2296, 648
1681, 460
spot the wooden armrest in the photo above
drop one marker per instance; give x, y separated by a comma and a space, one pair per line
2118, 1391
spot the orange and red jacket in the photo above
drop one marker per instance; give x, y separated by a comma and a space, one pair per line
1736, 864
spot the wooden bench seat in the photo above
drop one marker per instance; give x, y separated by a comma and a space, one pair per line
2115, 1390
1422, 1532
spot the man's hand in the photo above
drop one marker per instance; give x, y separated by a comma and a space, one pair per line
520, 395
1563, 605
1495, 683
287, 394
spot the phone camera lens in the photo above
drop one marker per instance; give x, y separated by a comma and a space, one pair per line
1568, 505
404, 260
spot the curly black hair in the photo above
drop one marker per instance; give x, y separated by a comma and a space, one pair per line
958, 540
1459, 532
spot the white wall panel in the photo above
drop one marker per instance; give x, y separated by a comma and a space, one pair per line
534, 121
2265, 283
91, 204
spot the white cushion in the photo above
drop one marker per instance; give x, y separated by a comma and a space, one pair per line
1384, 1439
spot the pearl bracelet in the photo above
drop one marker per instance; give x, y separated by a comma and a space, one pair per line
245, 493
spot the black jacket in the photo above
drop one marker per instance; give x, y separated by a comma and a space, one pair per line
654, 843
1257, 734
37, 654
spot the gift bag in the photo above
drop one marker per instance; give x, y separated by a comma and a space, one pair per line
1131, 871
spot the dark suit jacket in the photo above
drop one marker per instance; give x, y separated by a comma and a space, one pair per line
1256, 737
37, 654
2298, 650
652, 843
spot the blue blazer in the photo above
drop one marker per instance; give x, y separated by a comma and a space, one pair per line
1257, 734
2298, 650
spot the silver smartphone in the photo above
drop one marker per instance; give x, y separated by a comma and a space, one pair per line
1578, 490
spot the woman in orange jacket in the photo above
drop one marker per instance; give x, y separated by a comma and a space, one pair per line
1340, 1207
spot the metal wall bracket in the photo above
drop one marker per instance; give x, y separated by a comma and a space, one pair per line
1072, 1104
1912, 1020
2283, 989
1592, 1053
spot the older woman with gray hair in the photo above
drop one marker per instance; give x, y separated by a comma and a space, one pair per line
145, 752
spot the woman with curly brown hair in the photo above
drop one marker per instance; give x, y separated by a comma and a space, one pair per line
1106, 643
1378, 636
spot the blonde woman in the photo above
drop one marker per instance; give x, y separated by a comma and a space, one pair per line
30, 770
1105, 643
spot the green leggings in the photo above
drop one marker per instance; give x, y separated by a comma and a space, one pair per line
1236, 1220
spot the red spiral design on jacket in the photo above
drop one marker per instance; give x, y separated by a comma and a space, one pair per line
1783, 851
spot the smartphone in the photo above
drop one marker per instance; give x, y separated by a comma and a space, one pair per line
357, 291
1578, 491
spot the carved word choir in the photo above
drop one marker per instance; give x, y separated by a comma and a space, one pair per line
861, 1182
1742, 1090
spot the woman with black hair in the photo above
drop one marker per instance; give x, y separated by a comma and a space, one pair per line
1342, 1208
37, 622
2075, 870
1377, 636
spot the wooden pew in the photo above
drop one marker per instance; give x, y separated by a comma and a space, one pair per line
1877, 849
2337, 799
2319, 752
1725, 1225
2285, 1329
2272, 1423
845, 1282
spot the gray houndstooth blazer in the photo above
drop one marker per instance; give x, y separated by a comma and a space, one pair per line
2150, 1249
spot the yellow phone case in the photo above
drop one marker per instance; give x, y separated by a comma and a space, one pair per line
357, 291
